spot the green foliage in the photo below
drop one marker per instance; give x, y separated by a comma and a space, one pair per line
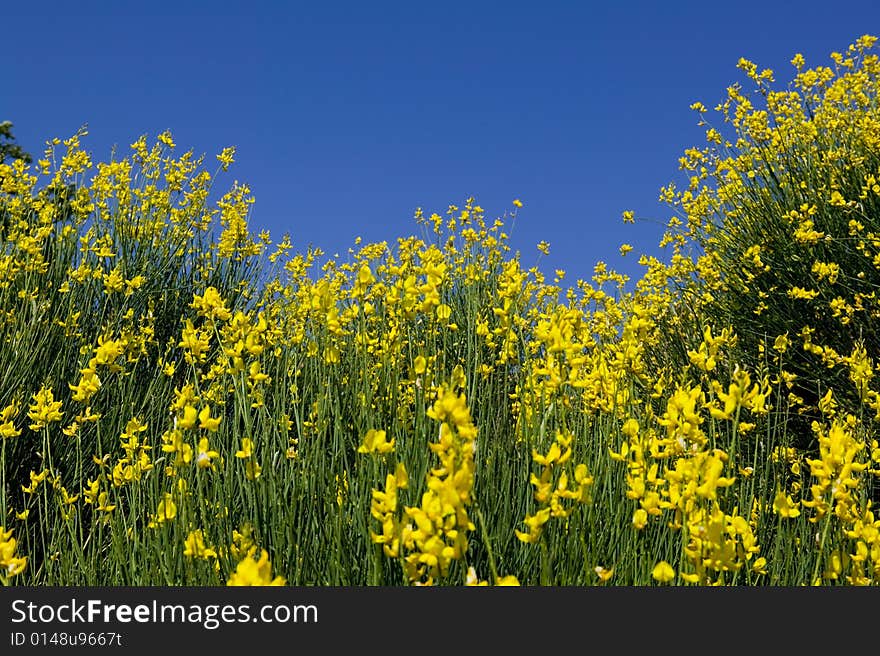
782, 213
9, 150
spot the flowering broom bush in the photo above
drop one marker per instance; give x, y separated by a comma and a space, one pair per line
783, 211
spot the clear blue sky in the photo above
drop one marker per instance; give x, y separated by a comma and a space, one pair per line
349, 115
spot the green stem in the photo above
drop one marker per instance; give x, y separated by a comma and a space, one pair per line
488, 545
821, 548
545, 564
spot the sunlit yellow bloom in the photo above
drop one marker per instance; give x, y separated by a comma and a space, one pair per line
205, 455
603, 573
10, 564
167, 509
640, 518
35, 480
784, 506
226, 157
375, 442
7, 428
211, 305
206, 421
508, 580
663, 572
190, 415
44, 409
103, 504
536, 526
247, 448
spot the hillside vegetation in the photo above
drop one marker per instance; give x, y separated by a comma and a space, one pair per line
186, 401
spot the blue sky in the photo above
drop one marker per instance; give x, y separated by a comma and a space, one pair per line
347, 116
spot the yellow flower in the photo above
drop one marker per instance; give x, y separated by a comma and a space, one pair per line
166, 139
226, 157
87, 387
194, 546
517, 202
640, 518
7, 428
45, 409
166, 511
781, 343
205, 455
103, 506
508, 580
206, 421
536, 526
10, 564
252, 470
784, 506
663, 572
554, 455
472, 579
247, 448
374, 442
188, 420
36, 479
255, 572
211, 305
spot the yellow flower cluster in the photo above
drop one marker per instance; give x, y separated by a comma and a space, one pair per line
429, 537
255, 571
837, 469
436, 531
554, 491
385, 509
10, 563
45, 409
